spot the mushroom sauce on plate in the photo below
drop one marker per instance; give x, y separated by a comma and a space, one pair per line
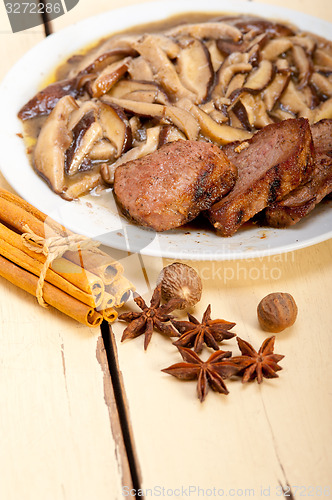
212, 78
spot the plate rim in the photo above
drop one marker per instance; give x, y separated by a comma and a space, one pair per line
157, 10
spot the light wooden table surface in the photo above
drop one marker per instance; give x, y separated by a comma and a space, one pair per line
60, 431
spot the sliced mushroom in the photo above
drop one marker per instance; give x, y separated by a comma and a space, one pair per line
163, 69
241, 114
151, 144
53, 141
45, 100
310, 96
221, 134
195, 69
138, 132
254, 52
249, 23
262, 118
84, 108
292, 101
324, 70
169, 46
184, 120
324, 110
254, 106
282, 65
98, 64
280, 114
219, 116
304, 41
221, 102
226, 75
323, 58
181, 118
85, 133
322, 85
235, 63
260, 77
274, 48
227, 47
128, 89
303, 65
207, 107
248, 102
148, 110
169, 133
139, 69
109, 76
91, 125
237, 82
249, 41
216, 56
103, 150
234, 121
210, 30
143, 96
115, 126
275, 89
83, 185
104, 54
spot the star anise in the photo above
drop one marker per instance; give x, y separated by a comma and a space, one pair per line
263, 363
151, 317
210, 372
210, 331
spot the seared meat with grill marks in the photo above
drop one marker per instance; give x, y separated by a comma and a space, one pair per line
272, 163
171, 186
302, 200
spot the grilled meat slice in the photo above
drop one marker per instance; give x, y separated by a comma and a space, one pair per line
171, 186
302, 200
272, 163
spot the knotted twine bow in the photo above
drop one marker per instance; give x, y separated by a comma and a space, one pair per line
53, 248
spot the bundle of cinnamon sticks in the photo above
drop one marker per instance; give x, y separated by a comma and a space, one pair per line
59, 267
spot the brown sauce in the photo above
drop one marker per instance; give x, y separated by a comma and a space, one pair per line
33, 126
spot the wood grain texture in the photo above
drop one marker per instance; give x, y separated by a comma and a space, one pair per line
59, 427
57, 441
56, 435
257, 436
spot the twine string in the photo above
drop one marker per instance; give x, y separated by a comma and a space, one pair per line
53, 248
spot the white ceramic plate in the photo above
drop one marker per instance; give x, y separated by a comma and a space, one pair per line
98, 217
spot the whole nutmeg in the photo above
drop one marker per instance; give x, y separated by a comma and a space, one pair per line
276, 312
180, 281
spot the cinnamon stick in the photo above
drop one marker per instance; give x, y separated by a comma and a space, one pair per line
18, 213
78, 283
66, 285
107, 309
52, 295
101, 265
121, 288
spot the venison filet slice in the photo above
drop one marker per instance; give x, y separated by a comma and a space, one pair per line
171, 186
276, 160
302, 200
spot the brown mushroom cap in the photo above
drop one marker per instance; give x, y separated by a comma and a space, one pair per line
45, 100
195, 69
53, 141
